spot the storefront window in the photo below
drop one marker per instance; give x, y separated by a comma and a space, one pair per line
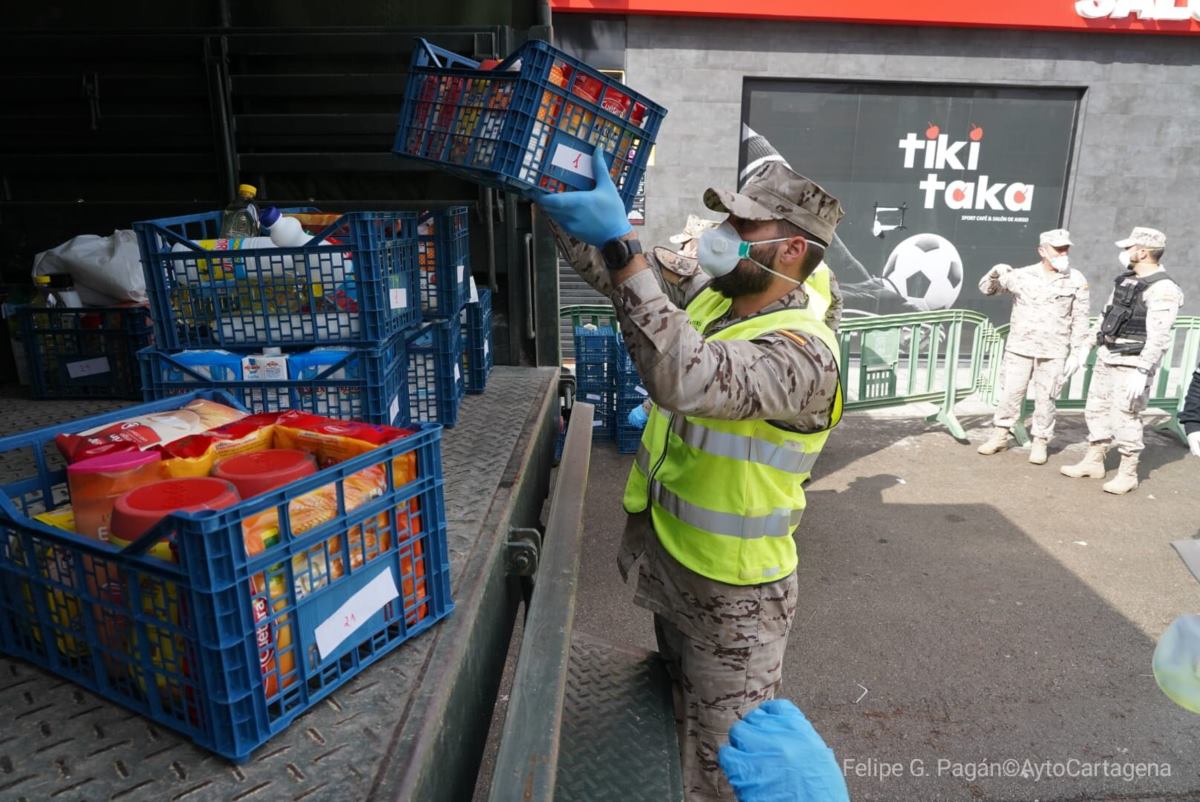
939, 182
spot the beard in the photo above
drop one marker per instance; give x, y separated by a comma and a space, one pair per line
747, 278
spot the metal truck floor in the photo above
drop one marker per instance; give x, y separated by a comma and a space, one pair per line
60, 742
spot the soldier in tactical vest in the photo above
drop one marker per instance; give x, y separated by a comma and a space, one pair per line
1047, 341
743, 371
1133, 336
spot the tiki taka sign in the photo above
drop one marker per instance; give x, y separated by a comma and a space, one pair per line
936, 151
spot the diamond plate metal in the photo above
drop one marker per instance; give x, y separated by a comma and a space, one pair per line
60, 742
618, 737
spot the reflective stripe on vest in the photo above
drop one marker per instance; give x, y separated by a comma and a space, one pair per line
784, 457
820, 297
725, 496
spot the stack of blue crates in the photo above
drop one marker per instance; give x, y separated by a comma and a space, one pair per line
607, 378
627, 394
436, 380
594, 375
477, 357
320, 328
365, 316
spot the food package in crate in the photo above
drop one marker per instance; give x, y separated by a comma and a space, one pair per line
529, 123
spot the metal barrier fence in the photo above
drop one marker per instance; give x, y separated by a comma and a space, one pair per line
943, 357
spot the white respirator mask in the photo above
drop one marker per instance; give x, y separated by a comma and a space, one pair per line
1061, 263
721, 248
1123, 258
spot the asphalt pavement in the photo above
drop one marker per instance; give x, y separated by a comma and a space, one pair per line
969, 628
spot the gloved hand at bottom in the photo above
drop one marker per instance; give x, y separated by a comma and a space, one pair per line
775, 755
1136, 383
1194, 443
638, 416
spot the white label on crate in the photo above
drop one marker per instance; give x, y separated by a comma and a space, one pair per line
474, 297
597, 423
357, 610
398, 298
457, 373
394, 409
641, 390
592, 397
462, 271
87, 367
568, 158
485, 348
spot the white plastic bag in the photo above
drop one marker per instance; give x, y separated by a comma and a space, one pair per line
106, 270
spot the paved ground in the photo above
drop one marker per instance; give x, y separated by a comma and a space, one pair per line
957, 612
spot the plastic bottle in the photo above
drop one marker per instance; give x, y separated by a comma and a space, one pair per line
55, 291
241, 216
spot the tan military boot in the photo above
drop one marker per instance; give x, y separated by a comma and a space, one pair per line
1091, 466
1037, 451
1126, 478
996, 443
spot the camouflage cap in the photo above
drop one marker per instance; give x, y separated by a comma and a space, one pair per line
1144, 238
1055, 238
775, 192
695, 226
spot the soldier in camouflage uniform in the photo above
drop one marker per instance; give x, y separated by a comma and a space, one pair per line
723, 643
1134, 334
1047, 340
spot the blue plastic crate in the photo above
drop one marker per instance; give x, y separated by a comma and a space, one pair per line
359, 291
84, 353
224, 646
593, 356
363, 384
435, 376
529, 123
444, 254
628, 437
477, 350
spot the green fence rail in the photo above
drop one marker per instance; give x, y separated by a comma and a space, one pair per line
943, 357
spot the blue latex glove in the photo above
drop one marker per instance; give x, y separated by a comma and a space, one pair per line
638, 416
594, 215
775, 755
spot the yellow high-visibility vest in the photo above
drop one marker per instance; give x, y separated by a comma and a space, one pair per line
726, 495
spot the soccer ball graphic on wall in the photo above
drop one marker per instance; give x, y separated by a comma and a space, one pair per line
926, 270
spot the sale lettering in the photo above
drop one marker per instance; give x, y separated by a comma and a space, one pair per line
937, 151
1166, 10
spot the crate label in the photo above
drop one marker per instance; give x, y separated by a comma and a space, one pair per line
592, 397
575, 161
462, 271
87, 367
398, 298
357, 611
394, 409
457, 373
641, 390
474, 296
485, 347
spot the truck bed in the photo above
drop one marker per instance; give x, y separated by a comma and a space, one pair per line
411, 727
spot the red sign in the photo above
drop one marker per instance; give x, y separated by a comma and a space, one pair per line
1104, 16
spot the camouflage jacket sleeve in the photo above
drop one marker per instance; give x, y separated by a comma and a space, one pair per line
790, 379
1080, 341
678, 277
992, 282
833, 315
1162, 307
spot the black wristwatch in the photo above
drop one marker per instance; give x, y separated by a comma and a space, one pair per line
618, 252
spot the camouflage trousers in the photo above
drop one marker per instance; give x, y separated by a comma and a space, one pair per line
714, 686
1110, 419
1017, 374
